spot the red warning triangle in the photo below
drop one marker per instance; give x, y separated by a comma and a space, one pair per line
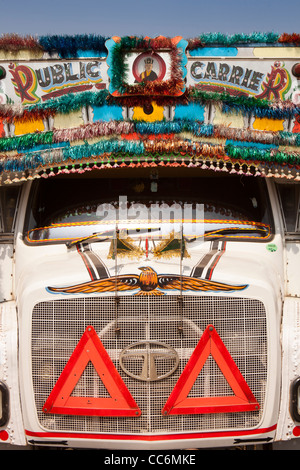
120, 402
242, 400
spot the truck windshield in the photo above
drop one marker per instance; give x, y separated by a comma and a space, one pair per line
99, 204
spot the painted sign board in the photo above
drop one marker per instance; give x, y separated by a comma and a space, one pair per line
267, 79
30, 83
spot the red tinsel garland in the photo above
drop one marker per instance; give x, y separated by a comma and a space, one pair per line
195, 43
159, 42
289, 38
14, 42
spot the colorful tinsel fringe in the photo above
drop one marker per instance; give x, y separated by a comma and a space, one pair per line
118, 144
71, 45
74, 102
143, 130
188, 153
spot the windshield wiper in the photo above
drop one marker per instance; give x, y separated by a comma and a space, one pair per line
264, 231
96, 237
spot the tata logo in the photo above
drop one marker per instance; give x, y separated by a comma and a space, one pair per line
149, 361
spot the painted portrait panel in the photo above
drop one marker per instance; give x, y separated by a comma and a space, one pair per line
147, 67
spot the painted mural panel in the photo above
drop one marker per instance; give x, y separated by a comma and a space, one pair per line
151, 66
152, 101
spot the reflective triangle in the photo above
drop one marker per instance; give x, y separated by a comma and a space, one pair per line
242, 400
120, 401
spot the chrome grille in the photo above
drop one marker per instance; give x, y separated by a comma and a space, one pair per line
58, 325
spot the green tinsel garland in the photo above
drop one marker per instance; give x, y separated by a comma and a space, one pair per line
254, 154
197, 95
71, 45
107, 146
71, 102
117, 79
221, 39
26, 141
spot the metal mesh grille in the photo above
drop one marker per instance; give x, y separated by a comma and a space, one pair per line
58, 325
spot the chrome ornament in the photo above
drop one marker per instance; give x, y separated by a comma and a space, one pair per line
149, 361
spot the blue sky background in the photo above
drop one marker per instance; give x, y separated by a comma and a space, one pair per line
187, 18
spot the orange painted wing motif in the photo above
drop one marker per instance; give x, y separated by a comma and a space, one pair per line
120, 283
192, 283
132, 282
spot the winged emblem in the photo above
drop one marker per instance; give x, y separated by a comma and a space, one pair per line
148, 283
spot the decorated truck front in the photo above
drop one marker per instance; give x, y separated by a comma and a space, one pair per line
150, 204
